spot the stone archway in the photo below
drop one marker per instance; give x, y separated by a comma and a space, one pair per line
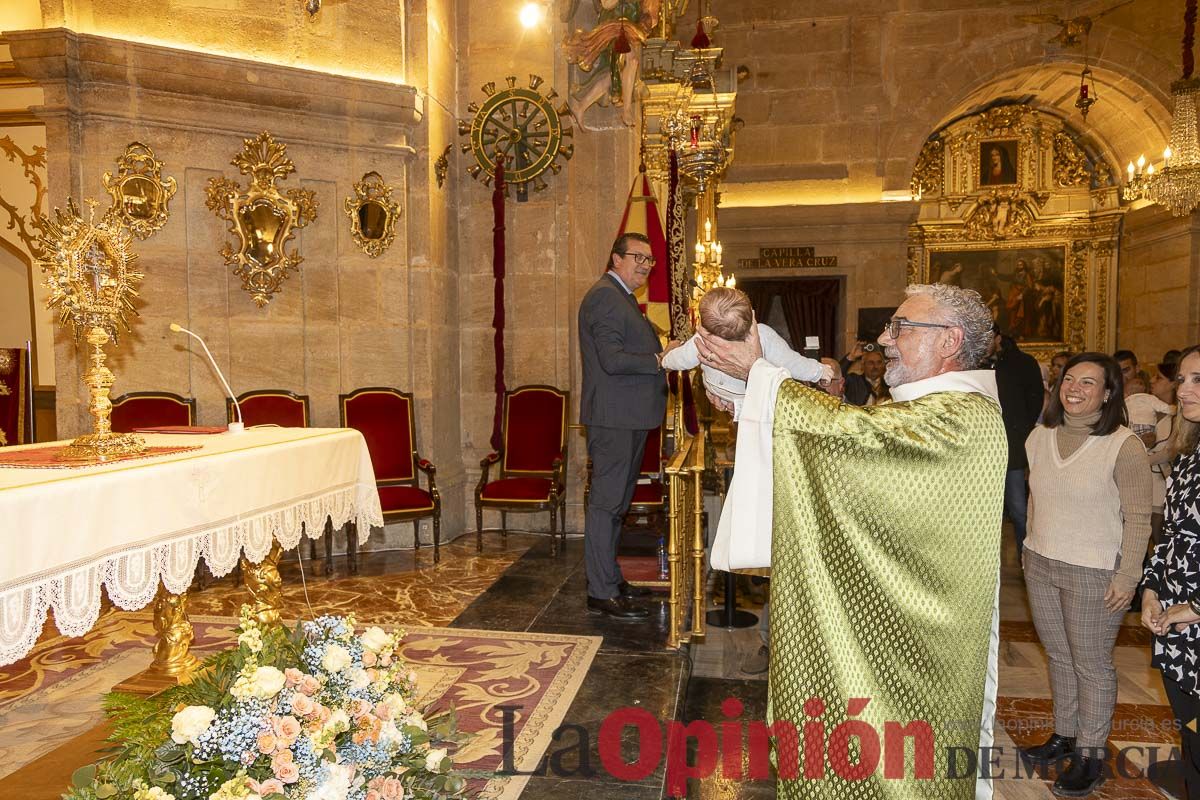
1132, 76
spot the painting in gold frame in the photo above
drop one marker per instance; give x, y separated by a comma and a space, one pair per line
1024, 287
998, 162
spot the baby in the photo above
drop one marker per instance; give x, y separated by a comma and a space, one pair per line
727, 313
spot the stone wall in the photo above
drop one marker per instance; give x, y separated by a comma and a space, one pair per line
1157, 305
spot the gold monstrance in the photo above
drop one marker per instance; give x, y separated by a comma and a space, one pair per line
89, 272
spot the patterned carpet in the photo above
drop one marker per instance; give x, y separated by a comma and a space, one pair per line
476, 671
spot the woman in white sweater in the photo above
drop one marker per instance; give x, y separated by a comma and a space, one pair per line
1089, 520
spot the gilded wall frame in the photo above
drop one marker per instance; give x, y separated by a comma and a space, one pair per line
1062, 207
140, 194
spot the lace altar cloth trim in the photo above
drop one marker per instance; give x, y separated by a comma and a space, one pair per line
132, 578
48, 457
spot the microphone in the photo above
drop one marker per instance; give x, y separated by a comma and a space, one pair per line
234, 427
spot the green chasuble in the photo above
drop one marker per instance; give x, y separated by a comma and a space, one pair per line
885, 564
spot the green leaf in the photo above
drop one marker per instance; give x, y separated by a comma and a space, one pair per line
105, 790
84, 776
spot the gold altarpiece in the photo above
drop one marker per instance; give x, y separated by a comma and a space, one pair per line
1017, 204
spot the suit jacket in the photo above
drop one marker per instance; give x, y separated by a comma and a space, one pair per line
858, 389
623, 386
1019, 379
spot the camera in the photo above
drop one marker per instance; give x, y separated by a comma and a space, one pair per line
870, 347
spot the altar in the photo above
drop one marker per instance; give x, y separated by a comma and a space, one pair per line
137, 525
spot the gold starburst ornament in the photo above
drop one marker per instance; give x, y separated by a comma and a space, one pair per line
89, 271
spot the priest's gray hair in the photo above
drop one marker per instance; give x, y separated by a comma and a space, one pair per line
964, 309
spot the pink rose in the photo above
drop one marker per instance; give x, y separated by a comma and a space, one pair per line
280, 759
386, 659
286, 772
270, 786
292, 677
358, 707
287, 728
309, 685
267, 742
368, 658
304, 705
323, 714
373, 795
383, 711
392, 789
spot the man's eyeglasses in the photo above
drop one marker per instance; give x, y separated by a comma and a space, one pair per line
896, 323
641, 259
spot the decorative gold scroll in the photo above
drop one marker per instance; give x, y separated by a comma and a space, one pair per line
372, 214
140, 194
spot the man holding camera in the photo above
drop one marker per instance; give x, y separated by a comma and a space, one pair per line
867, 388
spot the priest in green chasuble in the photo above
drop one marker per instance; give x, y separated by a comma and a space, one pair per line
885, 553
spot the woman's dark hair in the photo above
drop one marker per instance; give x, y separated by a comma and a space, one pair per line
1112, 412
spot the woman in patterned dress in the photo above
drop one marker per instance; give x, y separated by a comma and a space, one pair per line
1171, 598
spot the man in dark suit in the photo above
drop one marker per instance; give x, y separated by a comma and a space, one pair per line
1019, 383
869, 388
624, 397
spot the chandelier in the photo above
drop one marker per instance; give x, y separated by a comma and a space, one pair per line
707, 268
1177, 184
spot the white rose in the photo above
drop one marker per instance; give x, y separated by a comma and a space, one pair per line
359, 679
376, 639
267, 681
336, 784
336, 658
433, 761
188, 724
415, 721
396, 704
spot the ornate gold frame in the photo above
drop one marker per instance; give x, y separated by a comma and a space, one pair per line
140, 194
262, 219
372, 190
1064, 197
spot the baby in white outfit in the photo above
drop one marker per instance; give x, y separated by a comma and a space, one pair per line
727, 313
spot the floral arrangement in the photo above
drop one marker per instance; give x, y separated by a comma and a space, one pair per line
314, 713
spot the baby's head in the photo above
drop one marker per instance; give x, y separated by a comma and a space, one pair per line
726, 313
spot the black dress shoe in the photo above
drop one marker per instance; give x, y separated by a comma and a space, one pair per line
1052, 749
618, 607
627, 589
1083, 776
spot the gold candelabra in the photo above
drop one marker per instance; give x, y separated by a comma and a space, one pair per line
89, 272
708, 268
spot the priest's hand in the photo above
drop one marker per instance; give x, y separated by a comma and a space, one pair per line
733, 358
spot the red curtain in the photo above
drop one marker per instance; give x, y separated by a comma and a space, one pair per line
498, 301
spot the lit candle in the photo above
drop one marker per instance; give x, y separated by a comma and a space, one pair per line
1150, 170
699, 253
1167, 157
1141, 162
1129, 169
708, 230
732, 282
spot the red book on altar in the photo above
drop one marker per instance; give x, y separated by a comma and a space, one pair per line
199, 429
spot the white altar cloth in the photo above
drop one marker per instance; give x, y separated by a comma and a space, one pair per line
135, 524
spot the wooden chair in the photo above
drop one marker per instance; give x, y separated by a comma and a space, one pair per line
271, 407
151, 410
385, 418
532, 459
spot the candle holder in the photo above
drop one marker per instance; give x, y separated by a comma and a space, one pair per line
89, 272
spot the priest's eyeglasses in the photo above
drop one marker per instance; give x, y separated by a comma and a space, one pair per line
642, 259
896, 323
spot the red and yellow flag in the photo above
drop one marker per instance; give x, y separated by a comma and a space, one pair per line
642, 216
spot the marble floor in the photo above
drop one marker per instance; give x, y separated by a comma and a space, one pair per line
518, 586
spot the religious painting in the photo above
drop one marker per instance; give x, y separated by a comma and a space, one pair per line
998, 162
1022, 287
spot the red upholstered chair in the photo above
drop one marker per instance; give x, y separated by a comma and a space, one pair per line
271, 407
16, 397
151, 410
532, 459
650, 493
385, 419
